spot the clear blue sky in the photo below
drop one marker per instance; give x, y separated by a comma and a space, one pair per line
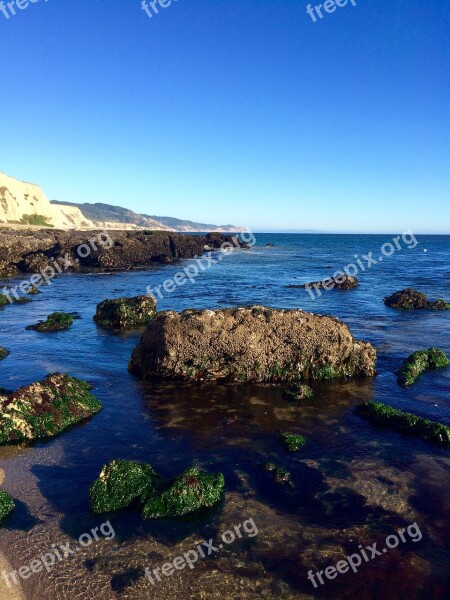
245, 112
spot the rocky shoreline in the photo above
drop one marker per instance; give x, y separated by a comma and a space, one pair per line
31, 251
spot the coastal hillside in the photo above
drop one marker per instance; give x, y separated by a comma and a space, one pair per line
184, 225
23, 203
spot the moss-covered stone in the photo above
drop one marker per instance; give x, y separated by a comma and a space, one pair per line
22, 300
280, 475
33, 291
125, 312
3, 353
190, 492
410, 299
387, 417
292, 441
6, 505
121, 483
298, 392
57, 321
45, 409
419, 362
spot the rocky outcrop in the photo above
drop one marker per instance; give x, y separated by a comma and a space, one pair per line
419, 362
292, 441
344, 282
57, 321
33, 251
6, 505
44, 409
253, 344
124, 313
410, 299
3, 353
380, 415
123, 484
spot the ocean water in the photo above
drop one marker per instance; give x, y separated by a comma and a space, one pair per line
352, 485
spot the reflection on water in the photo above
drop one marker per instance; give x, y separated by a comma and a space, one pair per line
351, 484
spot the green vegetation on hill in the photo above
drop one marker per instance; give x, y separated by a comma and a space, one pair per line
35, 220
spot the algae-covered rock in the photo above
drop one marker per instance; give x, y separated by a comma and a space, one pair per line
4, 300
3, 353
57, 321
380, 415
44, 409
6, 505
292, 441
298, 392
190, 492
120, 483
410, 299
280, 475
33, 291
252, 344
419, 362
125, 312
343, 282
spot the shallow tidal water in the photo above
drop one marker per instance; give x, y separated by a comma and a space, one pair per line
352, 484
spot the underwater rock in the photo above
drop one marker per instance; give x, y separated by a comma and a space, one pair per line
280, 475
57, 321
410, 299
6, 505
387, 417
292, 441
45, 409
419, 362
125, 312
252, 344
298, 392
120, 483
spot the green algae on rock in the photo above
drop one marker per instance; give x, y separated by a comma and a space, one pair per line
252, 344
120, 483
45, 409
298, 392
125, 312
3, 353
419, 362
292, 441
6, 505
33, 291
410, 299
280, 475
57, 321
380, 415
191, 491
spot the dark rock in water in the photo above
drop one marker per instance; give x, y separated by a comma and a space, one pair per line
33, 291
410, 299
4, 301
45, 409
190, 492
344, 282
252, 344
280, 475
120, 483
384, 416
32, 251
270, 245
125, 312
3, 353
6, 505
292, 441
124, 483
298, 392
419, 362
57, 321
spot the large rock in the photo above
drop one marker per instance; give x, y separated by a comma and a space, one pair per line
410, 299
419, 362
123, 313
253, 344
45, 408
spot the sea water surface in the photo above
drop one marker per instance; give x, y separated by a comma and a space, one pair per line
352, 484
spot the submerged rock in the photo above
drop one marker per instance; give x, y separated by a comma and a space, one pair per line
3, 353
190, 492
419, 362
410, 299
298, 392
384, 416
57, 321
120, 483
6, 505
123, 483
45, 408
125, 312
292, 441
253, 344
280, 475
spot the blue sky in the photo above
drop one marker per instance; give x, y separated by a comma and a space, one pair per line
235, 112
